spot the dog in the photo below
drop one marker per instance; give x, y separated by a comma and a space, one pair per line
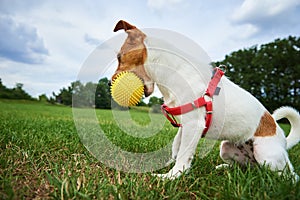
249, 132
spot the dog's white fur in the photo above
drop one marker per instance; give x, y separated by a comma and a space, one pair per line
242, 117
242, 114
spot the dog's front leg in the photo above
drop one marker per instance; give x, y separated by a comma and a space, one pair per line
189, 137
175, 147
176, 143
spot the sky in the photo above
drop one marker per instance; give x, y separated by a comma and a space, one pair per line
44, 44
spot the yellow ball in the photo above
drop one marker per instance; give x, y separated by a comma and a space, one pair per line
127, 89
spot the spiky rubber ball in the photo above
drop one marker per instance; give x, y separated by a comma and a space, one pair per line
127, 89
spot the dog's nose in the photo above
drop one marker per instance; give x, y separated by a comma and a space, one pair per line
109, 83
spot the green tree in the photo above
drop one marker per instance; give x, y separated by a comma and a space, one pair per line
271, 72
142, 103
84, 94
65, 96
102, 95
155, 101
4, 91
155, 104
43, 98
16, 93
241, 69
280, 61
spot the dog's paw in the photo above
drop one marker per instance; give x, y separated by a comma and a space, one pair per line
222, 166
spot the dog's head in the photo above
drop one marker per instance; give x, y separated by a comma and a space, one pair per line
133, 55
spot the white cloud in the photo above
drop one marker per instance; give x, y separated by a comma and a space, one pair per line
64, 31
263, 21
20, 42
254, 11
245, 31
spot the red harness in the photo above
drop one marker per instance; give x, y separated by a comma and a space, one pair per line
210, 91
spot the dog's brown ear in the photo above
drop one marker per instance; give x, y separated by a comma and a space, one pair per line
123, 25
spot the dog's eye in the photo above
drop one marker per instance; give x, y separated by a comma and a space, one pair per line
119, 57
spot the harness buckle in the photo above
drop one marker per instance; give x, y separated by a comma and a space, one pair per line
223, 68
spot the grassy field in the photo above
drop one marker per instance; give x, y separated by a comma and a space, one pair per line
42, 157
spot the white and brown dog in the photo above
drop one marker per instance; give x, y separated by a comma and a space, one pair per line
249, 132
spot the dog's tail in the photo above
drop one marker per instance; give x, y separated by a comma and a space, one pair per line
294, 118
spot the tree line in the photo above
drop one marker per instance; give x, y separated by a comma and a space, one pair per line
87, 95
15, 93
271, 72
92, 95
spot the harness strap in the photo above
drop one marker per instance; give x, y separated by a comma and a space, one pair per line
169, 113
212, 86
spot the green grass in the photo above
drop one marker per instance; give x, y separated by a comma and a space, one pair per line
41, 156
